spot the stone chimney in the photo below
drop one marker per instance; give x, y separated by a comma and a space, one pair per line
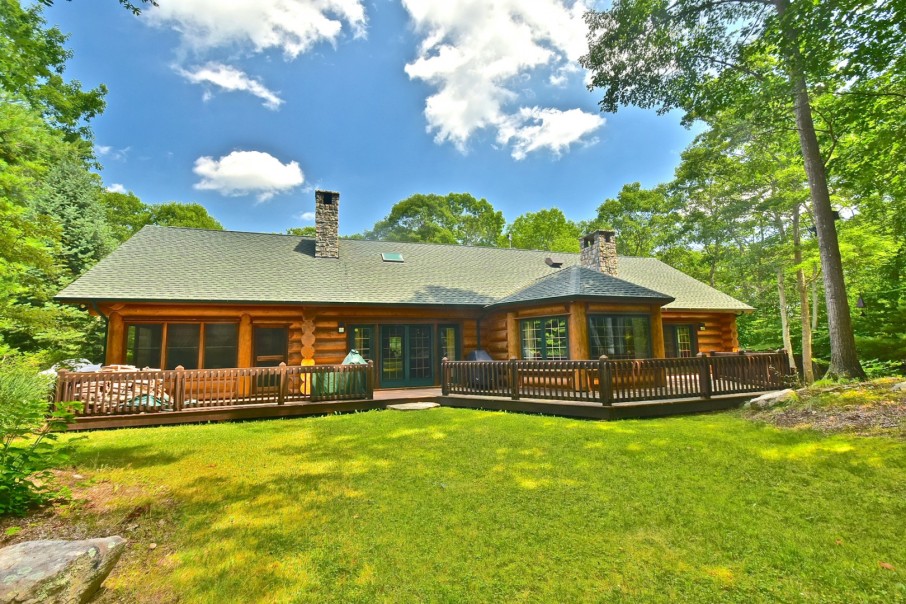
599, 252
327, 224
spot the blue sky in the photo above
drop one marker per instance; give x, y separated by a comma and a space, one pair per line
248, 106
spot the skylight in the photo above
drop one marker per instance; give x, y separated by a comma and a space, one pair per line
391, 257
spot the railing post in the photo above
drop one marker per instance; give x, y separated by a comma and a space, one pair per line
605, 381
444, 377
369, 380
281, 390
704, 375
514, 379
58, 390
179, 394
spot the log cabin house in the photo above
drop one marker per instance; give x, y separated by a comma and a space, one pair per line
205, 299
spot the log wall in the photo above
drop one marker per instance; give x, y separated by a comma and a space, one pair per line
498, 332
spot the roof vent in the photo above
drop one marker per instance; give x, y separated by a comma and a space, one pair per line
391, 257
553, 263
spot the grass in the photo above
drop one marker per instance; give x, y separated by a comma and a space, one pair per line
457, 506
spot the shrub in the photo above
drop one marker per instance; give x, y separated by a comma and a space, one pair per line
28, 426
875, 368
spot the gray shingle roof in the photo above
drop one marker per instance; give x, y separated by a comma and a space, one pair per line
577, 282
195, 265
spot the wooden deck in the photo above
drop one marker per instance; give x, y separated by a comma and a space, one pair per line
601, 389
383, 398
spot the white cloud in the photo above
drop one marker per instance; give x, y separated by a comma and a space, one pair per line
538, 128
246, 173
307, 216
112, 153
293, 26
477, 53
117, 188
230, 79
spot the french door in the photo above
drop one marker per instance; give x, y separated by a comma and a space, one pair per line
407, 355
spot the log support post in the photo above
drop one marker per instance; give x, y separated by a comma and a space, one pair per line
116, 339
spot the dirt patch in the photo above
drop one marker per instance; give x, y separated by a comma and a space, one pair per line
144, 515
868, 408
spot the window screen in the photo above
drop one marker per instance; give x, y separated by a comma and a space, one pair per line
182, 345
143, 344
221, 344
619, 336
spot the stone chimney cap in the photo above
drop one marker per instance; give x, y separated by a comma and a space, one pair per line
590, 237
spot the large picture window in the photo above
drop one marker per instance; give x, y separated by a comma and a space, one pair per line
191, 345
619, 336
544, 339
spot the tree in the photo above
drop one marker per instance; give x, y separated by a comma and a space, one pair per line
176, 214
642, 218
126, 214
306, 231
32, 62
456, 218
545, 230
703, 56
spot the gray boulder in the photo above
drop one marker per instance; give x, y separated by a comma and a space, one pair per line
57, 572
901, 387
771, 399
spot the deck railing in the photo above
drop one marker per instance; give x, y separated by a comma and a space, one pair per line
153, 391
608, 381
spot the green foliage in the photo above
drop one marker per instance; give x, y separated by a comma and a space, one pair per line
875, 368
452, 218
32, 61
306, 231
644, 219
545, 230
28, 451
177, 214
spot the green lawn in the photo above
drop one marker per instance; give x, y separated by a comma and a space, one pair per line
457, 505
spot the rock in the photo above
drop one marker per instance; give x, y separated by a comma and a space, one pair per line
57, 572
771, 399
412, 406
901, 387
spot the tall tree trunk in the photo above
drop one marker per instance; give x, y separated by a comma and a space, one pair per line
808, 374
844, 361
785, 320
815, 306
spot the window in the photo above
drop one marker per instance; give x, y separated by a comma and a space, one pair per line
544, 339
183, 340
391, 257
680, 341
619, 336
143, 345
221, 345
168, 345
361, 338
448, 338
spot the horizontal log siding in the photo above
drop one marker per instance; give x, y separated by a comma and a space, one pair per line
719, 335
493, 336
